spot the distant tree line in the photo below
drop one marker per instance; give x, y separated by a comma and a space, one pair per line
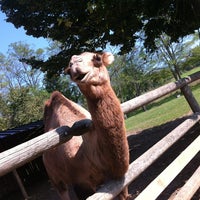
24, 89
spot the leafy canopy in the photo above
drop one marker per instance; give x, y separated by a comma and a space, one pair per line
91, 24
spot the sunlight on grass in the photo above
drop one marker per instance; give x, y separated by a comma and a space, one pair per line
196, 69
159, 114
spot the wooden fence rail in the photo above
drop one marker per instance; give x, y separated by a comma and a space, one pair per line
190, 187
27, 151
154, 189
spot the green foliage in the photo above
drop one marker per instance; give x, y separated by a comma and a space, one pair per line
193, 60
3, 113
21, 106
90, 25
21, 93
135, 73
158, 77
65, 86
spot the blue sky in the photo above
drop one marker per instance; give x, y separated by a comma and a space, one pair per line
9, 34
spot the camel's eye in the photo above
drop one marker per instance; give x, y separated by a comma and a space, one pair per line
97, 60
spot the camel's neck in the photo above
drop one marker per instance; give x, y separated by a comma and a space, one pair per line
103, 105
105, 110
109, 127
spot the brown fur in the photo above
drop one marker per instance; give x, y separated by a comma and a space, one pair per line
78, 167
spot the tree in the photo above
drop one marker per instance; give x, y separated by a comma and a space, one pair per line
15, 72
173, 54
21, 93
193, 60
63, 84
24, 89
90, 25
21, 106
135, 73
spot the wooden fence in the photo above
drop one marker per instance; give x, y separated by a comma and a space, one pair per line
13, 158
112, 189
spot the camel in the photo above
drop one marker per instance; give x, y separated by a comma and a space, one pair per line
80, 166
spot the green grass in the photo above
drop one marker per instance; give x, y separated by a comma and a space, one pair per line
162, 111
196, 69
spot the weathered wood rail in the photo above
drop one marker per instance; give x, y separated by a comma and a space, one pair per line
27, 151
190, 187
19, 155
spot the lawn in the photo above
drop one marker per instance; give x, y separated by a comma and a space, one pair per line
162, 111
196, 69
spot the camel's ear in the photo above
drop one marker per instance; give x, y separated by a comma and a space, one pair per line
107, 58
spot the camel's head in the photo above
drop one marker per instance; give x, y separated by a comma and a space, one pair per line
89, 68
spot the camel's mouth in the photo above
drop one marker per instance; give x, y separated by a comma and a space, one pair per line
80, 77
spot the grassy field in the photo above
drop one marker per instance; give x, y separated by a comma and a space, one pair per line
191, 71
163, 110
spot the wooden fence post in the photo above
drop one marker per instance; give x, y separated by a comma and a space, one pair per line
190, 98
21, 186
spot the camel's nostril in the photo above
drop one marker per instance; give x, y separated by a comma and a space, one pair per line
70, 64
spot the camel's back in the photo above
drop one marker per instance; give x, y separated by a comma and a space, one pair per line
60, 161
